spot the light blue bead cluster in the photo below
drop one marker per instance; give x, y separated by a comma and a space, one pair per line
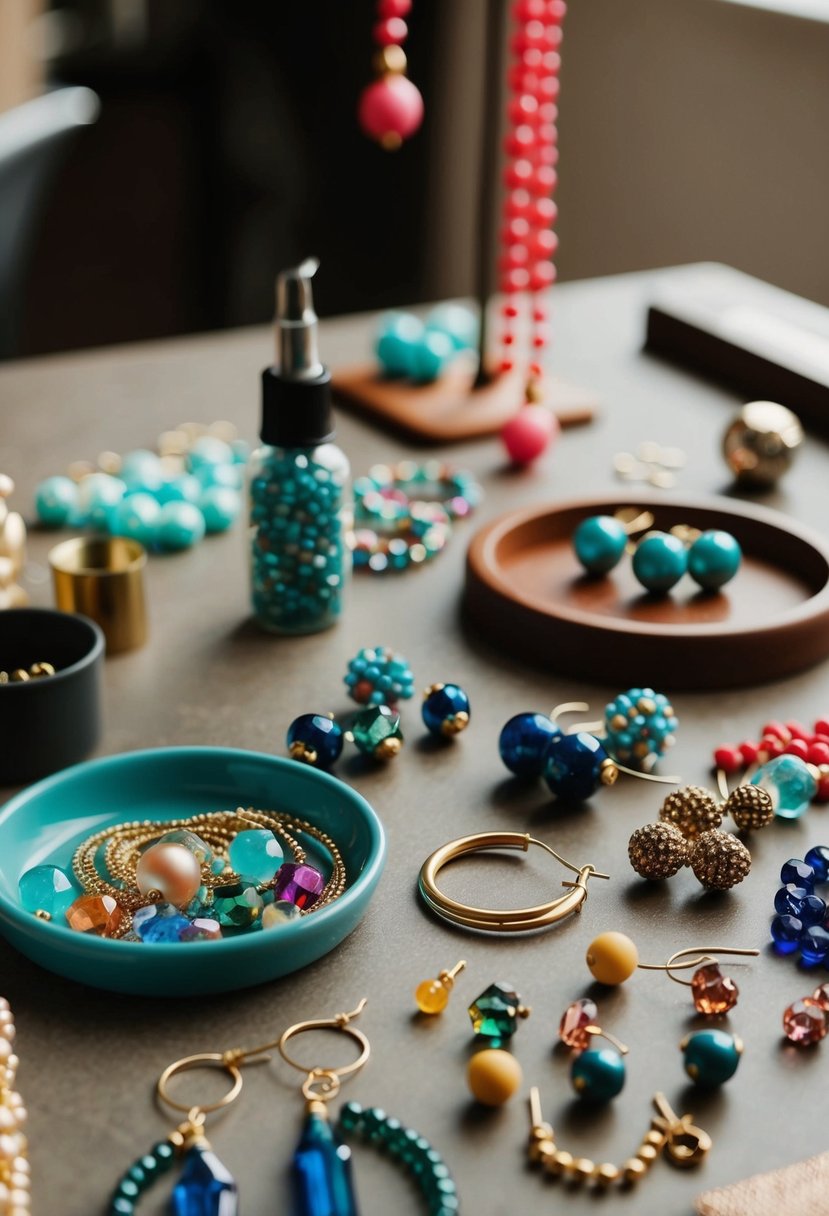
164, 513
407, 347
378, 676
299, 555
640, 725
801, 921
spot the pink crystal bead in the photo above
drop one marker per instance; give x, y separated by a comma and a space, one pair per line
804, 1022
713, 992
298, 884
99, 915
821, 995
572, 1028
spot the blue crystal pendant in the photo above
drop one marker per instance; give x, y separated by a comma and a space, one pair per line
321, 1171
206, 1187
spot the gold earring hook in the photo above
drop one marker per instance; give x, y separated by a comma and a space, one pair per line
706, 954
597, 1031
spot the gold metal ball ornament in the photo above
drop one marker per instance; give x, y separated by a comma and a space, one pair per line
657, 850
760, 443
693, 810
719, 860
750, 807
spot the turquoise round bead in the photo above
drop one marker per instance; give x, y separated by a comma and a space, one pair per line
789, 783
220, 507
458, 323
598, 1074
599, 543
142, 470
660, 561
713, 559
397, 340
98, 494
207, 450
231, 476
179, 525
256, 854
135, 516
431, 355
49, 889
711, 1057
241, 451
56, 501
186, 488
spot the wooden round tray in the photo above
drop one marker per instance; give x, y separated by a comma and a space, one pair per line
526, 591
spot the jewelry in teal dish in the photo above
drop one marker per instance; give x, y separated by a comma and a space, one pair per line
376, 732
378, 676
599, 543
315, 739
713, 559
711, 1057
445, 710
659, 562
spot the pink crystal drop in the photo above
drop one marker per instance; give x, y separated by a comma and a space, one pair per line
821, 995
713, 992
804, 1022
576, 1017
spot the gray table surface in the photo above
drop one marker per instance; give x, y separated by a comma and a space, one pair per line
90, 1059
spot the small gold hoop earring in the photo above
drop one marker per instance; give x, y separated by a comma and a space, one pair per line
323, 1084
490, 920
227, 1062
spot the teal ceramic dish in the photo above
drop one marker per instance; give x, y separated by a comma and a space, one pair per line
46, 822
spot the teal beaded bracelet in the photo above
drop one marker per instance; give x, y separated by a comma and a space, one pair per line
140, 1176
413, 1151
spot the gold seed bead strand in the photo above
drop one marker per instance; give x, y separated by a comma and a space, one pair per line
15, 1171
542, 1150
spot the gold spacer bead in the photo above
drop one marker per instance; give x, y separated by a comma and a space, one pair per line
582, 1169
656, 1138
19, 676
42, 914
608, 772
541, 1150
455, 724
606, 1174
633, 1170
38, 670
386, 749
560, 1162
390, 60
427, 692
391, 141
647, 1154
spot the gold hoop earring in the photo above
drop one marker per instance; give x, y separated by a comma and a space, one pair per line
517, 920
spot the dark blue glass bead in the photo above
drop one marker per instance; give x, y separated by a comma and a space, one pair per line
205, 1186
797, 872
574, 767
315, 739
523, 743
445, 710
785, 933
812, 911
814, 945
788, 900
322, 1172
818, 859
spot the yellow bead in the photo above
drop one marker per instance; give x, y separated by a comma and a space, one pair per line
612, 958
656, 1138
431, 996
559, 1163
541, 1150
647, 1153
606, 1174
634, 1169
582, 1169
493, 1076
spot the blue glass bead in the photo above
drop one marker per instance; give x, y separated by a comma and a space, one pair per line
599, 543
575, 765
814, 944
523, 743
237, 905
207, 450
135, 516
142, 918
711, 1057
785, 934
660, 561
459, 323
164, 929
598, 1074
796, 871
186, 488
396, 343
220, 507
205, 1186
640, 725
713, 559
179, 525
789, 899
789, 784
315, 739
321, 1172
818, 859
142, 470
431, 355
256, 854
98, 494
445, 710
56, 500
812, 911
48, 889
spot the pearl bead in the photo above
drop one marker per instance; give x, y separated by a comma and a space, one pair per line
493, 1076
170, 869
5, 1050
8, 1031
612, 958
10, 1145
8, 1120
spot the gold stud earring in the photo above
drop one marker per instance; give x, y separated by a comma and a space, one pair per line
432, 996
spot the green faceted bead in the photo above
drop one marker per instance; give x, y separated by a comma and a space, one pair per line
121, 1206
137, 1175
164, 1154
351, 1115
377, 732
128, 1188
494, 1014
238, 905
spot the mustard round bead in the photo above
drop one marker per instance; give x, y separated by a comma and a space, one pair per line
560, 1163
431, 996
493, 1076
647, 1153
634, 1169
612, 958
606, 1174
582, 1169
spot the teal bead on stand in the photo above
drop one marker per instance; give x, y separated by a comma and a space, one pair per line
396, 343
220, 507
56, 501
711, 1057
431, 356
256, 854
180, 525
136, 516
789, 784
598, 1074
459, 323
713, 559
599, 543
660, 561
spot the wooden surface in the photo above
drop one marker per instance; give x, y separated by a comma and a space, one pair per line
89, 1060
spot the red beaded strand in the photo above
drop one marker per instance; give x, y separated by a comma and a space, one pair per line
391, 108
778, 739
528, 241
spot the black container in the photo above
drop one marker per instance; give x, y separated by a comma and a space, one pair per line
48, 723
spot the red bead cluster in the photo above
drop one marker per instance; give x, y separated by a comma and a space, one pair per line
778, 739
528, 242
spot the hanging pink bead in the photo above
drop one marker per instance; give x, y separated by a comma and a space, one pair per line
390, 110
390, 32
529, 433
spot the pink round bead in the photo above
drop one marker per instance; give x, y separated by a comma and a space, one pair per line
529, 433
390, 109
390, 32
394, 8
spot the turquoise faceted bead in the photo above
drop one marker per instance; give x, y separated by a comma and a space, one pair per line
713, 559
397, 342
220, 506
711, 1057
599, 543
789, 783
660, 561
56, 500
136, 516
256, 854
48, 889
142, 470
180, 525
377, 732
598, 1074
237, 905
